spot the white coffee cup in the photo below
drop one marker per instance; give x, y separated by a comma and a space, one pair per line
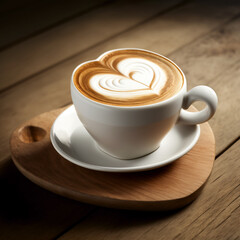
131, 132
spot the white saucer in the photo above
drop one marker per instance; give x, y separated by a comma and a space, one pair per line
72, 141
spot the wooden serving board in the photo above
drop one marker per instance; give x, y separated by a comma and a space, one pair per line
166, 188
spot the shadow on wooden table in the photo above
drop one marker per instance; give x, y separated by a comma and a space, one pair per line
23, 201
25, 204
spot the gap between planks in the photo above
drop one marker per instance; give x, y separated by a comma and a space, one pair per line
165, 11
91, 212
146, 20
52, 46
54, 24
177, 224
227, 147
97, 209
180, 59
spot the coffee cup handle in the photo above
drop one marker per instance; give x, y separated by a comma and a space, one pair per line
199, 93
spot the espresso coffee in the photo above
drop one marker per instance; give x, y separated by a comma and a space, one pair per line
129, 77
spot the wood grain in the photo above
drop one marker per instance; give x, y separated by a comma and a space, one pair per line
32, 212
21, 22
165, 188
214, 215
29, 212
226, 122
214, 61
40, 94
66, 40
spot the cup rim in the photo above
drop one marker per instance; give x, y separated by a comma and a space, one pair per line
153, 105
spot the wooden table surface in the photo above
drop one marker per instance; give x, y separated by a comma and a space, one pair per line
42, 42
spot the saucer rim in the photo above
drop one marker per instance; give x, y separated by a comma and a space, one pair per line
151, 166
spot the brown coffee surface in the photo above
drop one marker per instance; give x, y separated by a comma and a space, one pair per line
129, 77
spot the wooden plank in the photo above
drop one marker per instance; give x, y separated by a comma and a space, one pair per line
39, 100
214, 215
50, 89
34, 16
29, 212
53, 46
214, 61
226, 122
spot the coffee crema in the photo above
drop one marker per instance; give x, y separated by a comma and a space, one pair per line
128, 77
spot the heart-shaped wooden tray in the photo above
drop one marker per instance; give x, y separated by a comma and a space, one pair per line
166, 188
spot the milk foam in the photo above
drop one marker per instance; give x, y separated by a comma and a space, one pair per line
139, 77
129, 78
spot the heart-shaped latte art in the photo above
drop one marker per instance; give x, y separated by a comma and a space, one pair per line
129, 77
